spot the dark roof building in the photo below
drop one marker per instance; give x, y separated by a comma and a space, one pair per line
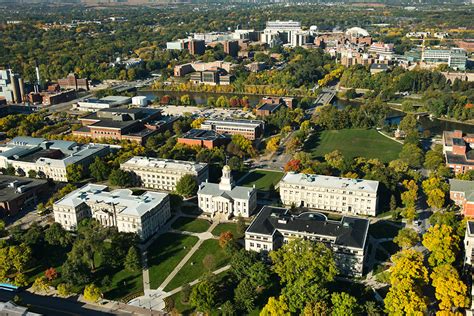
203, 138
274, 226
17, 193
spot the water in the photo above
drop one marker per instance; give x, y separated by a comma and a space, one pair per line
435, 126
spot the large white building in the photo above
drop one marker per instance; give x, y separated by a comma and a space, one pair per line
163, 174
284, 32
275, 226
224, 199
251, 129
93, 105
48, 158
142, 214
456, 58
348, 196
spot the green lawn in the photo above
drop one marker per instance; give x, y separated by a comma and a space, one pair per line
224, 227
194, 268
262, 179
193, 225
353, 143
165, 254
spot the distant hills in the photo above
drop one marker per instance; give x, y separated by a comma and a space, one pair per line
138, 2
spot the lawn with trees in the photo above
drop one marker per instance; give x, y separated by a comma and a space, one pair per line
353, 143
191, 224
262, 179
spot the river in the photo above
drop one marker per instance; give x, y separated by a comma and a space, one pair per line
435, 126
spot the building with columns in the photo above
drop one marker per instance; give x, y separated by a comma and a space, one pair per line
142, 214
225, 199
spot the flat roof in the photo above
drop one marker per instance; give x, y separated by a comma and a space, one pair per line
252, 123
158, 163
269, 107
9, 192
349, 231
125, 202
331, 182
202, 134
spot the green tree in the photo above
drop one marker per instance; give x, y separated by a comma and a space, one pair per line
99, 169
335, 159
227, 309
245, 295
185, 293
92, 293
41, 284
187, 186
343, 304
32, 174
443, 244
75, 172
412, 155
406, 238
64, 289
132, 260
120, 178
56, 235
204, 296
434, 158
320, 308
276, 307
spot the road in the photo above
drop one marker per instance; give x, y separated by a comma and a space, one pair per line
53, 306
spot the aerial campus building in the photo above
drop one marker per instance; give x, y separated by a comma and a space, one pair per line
251, 129
275, 226
164, 174
143, 214
48, 158
335, 194
225, 199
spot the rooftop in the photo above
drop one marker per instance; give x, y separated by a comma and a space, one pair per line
158, 163
12, 187
269, 107
202, 134
254, 123
331, 182
237, 192
465, 186
349, 231
123, 199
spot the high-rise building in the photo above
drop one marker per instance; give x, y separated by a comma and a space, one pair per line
196, 47
231, 48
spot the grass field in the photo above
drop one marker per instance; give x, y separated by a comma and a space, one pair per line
165, 253
262, 179
193, 225
383, 229
353, 143
224, 227
194, 268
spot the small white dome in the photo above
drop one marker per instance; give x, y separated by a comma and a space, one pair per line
357, 32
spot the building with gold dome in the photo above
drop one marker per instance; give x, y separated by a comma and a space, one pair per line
225, 199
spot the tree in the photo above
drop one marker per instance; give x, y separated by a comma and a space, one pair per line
32, 174
225, 238
293, 165
187, 186
185, 99
41, 284
405, 299
434, 158
227, 309
185, 293
435, 189
99, 169
51, 274
343, 304
241, 226
393, 203
372, 309
335, 159
412, 155
304, 259
320, 308
235, 163
276, 307
75, 272
203, 296
443, 244
64, 289
259, 275
197, 122
273, 144
92, 293
408, 124
245, 295
75, 172
56, 235
406, 238
450, 290
409, 198
120, 178
132, 260
2, 228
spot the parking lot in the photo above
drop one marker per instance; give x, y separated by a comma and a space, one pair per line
211, 113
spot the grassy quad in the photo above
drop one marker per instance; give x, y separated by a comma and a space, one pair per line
224, 227
353, 143
189, 224
262, 179
194, 268
165, 254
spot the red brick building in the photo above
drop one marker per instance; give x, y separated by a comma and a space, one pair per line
19, 192
462, 194
457, 150
72, 82
203, 138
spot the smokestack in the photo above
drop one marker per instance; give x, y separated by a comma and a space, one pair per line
21, 83
38, 76
15, 88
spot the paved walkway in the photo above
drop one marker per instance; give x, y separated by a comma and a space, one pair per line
154, 299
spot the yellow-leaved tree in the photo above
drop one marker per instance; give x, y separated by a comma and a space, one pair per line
450, 289
443, 243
